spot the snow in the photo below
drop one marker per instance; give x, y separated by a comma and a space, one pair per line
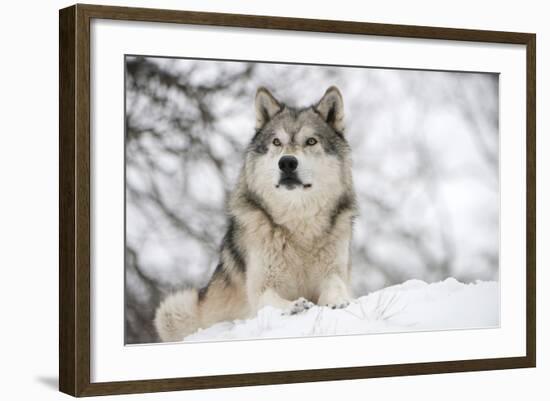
411, 306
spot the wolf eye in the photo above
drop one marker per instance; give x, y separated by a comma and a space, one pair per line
311, 141
276, 142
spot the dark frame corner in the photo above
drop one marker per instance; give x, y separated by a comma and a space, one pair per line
74, 198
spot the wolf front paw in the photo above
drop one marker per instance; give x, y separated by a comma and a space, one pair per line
338, 305
299, 306
334, 293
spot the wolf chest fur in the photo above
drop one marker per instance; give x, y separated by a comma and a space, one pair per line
289, 226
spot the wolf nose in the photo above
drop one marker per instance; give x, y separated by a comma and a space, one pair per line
288, 164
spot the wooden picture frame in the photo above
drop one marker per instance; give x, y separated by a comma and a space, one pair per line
75, 206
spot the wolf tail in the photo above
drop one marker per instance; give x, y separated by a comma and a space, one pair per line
184, 312
178, 315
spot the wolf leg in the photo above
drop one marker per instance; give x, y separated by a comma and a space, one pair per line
334, 292
270, 297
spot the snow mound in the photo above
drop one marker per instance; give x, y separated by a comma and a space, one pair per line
411, 306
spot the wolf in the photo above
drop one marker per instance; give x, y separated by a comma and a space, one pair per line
290, 219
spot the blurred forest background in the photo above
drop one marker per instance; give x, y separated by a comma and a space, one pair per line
426, 168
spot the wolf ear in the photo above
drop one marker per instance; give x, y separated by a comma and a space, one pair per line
266, 107
331, 108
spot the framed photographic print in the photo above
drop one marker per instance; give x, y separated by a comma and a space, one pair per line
250, 200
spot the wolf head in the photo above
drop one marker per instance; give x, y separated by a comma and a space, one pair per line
299, 155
